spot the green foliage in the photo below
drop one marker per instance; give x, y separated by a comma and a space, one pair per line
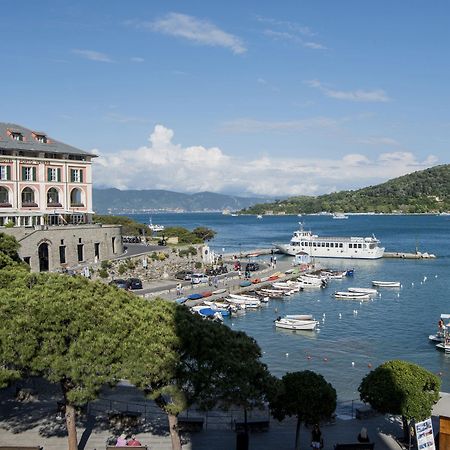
103, 273
198, 265
198, 236
105, 264
419, 192
129, 226
400, 387
186, 252
306, 395
204, 233
9, 247
122, 269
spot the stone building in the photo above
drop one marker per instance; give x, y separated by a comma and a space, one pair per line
46, 201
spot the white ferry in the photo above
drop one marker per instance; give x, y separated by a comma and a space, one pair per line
332, 247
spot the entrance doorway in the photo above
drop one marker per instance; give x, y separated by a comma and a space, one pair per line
43, 257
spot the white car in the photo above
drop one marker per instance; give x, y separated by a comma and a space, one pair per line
197, 278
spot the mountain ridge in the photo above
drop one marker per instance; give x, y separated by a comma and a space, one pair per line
113, 200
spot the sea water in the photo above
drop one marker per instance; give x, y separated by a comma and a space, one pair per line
353, 336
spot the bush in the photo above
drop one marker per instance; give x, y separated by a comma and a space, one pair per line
106, 264
122, 269
198, 265
103, 273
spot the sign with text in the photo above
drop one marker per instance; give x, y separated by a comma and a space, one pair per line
425, 436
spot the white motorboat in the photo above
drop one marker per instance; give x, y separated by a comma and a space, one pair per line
287, 286
369, 291
332, 247
154, 227
311, 282
259, 216
442, 329
351, 295
386, 283
242, 301
333, 274
290, 324
444, 346
339, 216
299, 317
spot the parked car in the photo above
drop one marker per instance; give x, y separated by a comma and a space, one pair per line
198, 278
122, 284
135, 283
216, 271
251, 267
184, 275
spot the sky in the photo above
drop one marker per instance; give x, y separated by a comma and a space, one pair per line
242, 97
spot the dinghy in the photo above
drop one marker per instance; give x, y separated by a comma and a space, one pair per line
351, 295
369, 291
386, 283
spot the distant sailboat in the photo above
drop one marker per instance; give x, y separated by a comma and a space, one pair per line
155, 228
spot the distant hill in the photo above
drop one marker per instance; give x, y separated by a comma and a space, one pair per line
116, 201
419, 192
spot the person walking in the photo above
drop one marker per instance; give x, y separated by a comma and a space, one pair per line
316, 437
363, 436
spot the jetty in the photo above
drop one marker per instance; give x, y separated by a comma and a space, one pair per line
406, 255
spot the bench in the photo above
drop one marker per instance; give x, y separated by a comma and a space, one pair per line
253, 425
355, 446
190, 423
18, 447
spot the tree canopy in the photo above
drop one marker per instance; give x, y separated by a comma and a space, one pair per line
306, 395
401, 387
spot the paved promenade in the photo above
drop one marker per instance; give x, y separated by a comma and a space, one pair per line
35, 422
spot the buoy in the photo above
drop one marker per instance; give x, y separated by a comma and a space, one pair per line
435, 276
398, 295
412, 284
369, 365
325, 359
421, 282
309, 357
323, 315
424, 279
401, 286
440, 374
340, 316
287, 354
353, 363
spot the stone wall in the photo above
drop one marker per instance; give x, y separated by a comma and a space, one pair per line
86, 239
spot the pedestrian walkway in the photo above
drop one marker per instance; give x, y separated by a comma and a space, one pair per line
36, 422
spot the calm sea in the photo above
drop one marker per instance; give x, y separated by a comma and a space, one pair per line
353, 337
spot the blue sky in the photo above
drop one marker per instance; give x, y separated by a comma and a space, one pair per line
257, 97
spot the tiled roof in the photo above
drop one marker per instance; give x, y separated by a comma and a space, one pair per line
31, 143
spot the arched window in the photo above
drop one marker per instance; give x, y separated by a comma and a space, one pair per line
28, 197
4, 197
53, 197
76, 197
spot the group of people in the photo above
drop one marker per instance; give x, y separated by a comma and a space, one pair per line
122, 441
317, 439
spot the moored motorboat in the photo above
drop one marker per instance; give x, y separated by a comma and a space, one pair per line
369, 291
386, 283
292, 324
351, 295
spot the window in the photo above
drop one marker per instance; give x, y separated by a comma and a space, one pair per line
53, 197
76, 175
4, 197
76, 197
97, 250
5, 173
16, 136
54, 174
28, 173
42, 138
62, 254
80, 252
28, 197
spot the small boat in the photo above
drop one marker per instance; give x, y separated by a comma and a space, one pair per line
292, 324
333, 274
210, 313
350, 272
272, 293
154, 227
246, 303
181, 300
386, 283
245, 283
444, 346
369, 291
351, 295
194, 296
339, 216
259, 216
206, 294
299, 317
219, 291
442, 329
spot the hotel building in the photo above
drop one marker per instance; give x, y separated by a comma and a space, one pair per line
46, 187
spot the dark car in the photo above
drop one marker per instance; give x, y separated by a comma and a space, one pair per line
183, 275
251, 267
122, 284
135, 283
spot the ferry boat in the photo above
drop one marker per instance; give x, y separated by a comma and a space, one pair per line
332, 247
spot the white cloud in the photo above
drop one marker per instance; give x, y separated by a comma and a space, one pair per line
359, 95
196, 30
137, 59
163, 164
292, 37
93, 55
